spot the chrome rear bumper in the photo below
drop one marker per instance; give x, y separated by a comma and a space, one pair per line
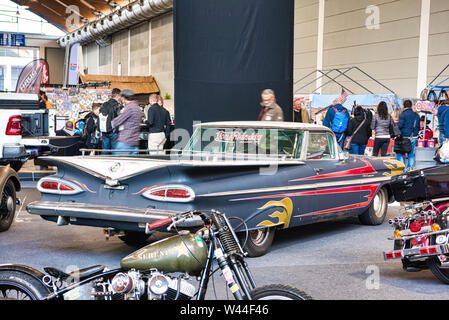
73, 211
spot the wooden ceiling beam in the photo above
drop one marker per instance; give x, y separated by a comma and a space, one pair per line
54, 11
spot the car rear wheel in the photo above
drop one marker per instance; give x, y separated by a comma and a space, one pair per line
259, 241
7, 206
375, 214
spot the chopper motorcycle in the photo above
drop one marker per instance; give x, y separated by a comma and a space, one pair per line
421, 231
159, 271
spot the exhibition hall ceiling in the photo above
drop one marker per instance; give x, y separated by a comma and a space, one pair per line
63, 13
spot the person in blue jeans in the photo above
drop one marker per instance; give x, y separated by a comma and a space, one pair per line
409, 124
359, 129
443, 124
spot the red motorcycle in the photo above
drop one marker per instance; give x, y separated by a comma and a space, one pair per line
421, 231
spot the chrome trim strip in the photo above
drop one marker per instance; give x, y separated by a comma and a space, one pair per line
165, 163
297, 187
123, 214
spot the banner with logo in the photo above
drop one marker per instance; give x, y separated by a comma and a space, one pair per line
33, 75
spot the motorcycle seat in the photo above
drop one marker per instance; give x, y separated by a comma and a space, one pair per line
77, 275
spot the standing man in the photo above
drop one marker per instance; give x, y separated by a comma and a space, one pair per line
108, 111
337, 119
129, 121
409, 124
168, 144
270, 109
158, 120
300, 114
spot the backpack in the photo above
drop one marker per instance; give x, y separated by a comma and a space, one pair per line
103, 122
340, 122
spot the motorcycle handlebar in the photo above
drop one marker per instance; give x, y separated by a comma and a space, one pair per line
173, 220
159, 224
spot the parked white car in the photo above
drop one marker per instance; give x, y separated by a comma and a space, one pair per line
12, 152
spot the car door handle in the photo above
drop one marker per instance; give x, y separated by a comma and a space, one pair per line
318, 170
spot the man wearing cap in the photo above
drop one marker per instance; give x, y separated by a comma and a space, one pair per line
425, 132
108, 111
129, 123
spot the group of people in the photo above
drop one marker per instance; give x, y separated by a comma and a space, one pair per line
353, 132
115, 125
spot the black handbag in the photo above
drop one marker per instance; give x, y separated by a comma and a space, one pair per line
402, 145
394, 129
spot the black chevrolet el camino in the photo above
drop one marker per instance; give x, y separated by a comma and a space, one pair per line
269, 175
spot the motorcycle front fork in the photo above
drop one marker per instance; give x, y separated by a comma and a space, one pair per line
230, 271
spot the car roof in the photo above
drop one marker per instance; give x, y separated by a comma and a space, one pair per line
264, 125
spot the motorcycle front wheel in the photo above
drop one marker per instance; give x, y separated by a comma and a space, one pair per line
16, 285
279, 292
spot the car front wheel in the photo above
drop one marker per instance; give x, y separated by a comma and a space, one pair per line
375, 214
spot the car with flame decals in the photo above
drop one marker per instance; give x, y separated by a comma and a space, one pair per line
268, 175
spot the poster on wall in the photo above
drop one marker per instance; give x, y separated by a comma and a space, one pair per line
74, 103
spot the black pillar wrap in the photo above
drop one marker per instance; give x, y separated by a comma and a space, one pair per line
226, 53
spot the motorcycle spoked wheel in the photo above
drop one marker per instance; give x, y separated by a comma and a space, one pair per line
438, 272
279, 292
16, 285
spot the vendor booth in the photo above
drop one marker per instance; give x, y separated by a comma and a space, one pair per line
357, 94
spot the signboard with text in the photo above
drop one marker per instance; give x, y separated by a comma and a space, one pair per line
12, 40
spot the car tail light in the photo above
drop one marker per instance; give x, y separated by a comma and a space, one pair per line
14, 127
170, 193
58, 186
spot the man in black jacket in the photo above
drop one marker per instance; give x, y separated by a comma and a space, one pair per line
158, 121
108, 111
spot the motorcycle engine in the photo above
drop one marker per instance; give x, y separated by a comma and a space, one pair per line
133, 285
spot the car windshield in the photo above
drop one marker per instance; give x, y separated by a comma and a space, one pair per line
253, 142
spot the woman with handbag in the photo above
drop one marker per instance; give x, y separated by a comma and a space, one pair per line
358, 132
381, 129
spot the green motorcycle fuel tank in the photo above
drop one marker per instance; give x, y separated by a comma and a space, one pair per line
181, 253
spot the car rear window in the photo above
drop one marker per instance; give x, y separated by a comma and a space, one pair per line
242, 141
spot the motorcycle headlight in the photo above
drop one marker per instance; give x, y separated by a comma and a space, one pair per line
158, 284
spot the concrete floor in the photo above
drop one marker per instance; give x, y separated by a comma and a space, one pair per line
330, 261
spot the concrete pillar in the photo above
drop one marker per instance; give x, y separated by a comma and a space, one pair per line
320, 44
423, 46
